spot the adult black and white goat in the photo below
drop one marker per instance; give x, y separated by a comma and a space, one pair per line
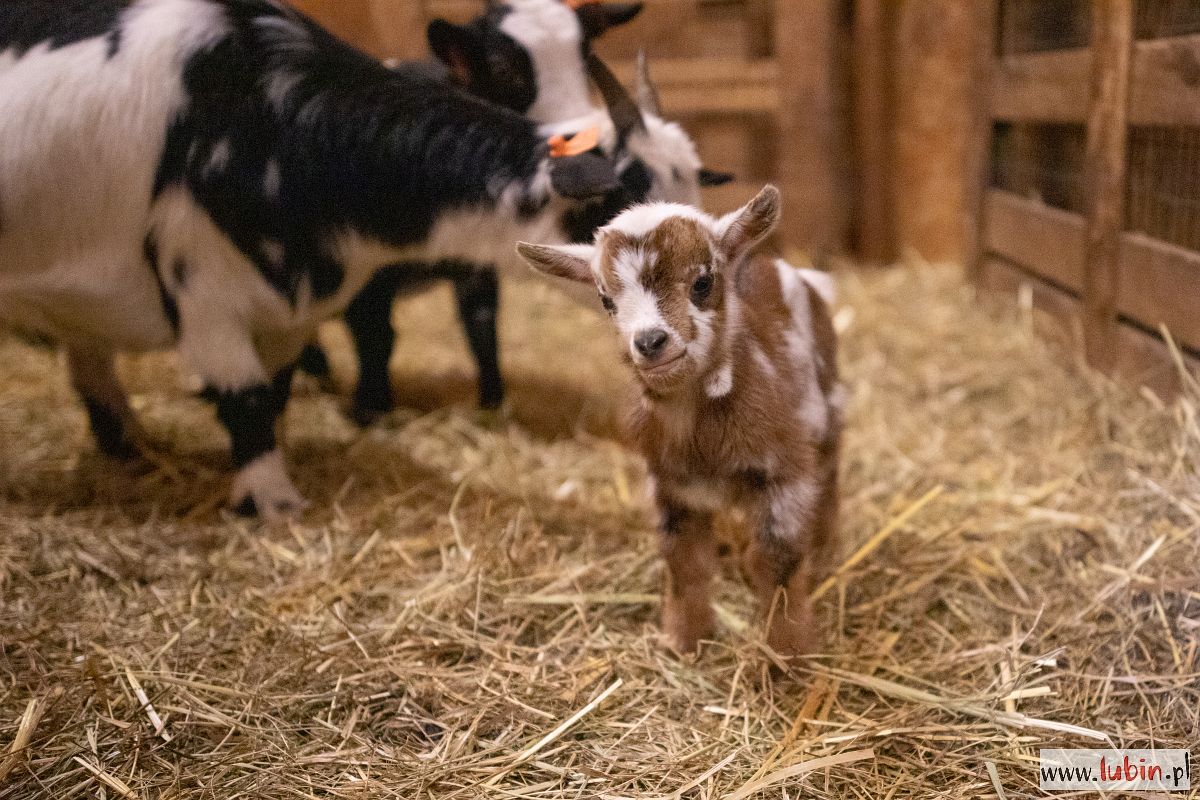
221, 175
535, 57
525, 55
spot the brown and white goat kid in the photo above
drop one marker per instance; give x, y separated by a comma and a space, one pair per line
738, 403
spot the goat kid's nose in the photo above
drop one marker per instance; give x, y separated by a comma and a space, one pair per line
650, 343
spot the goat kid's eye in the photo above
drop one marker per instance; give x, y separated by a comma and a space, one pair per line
608, 304
702, 288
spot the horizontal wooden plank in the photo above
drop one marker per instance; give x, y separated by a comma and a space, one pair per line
1160, 286
690, 86
730, 197
1045, 240
1053, 87
1160, 283
668, 28
1165, 82
1140, 358
1041, 87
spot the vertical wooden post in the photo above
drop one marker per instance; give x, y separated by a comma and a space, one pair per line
401, 28
934, 124
979, 153
347, 19
1104, 175
874, 108
811, 130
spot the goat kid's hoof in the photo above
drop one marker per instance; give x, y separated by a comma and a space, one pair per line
369, 407
272, 511
263, 489
124, 450
684, 632
791, 638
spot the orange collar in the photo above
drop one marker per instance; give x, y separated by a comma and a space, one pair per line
576, 4
562, 146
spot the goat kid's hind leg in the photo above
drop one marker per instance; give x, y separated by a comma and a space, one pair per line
779, 566
690, 552
369, 318
113, 424
478, 297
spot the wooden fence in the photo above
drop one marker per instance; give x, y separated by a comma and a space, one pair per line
1093, 192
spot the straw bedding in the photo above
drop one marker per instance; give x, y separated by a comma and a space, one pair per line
469, 610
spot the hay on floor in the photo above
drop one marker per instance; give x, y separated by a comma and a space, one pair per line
471, 611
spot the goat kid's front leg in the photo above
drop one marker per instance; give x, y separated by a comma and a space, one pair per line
113, 425
253, 416
690, 551
478, 297
779, 564
249, 405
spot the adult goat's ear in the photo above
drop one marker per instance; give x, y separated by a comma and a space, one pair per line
743, 229
572, 261
583, 176
712, 177
597, 18
456, 46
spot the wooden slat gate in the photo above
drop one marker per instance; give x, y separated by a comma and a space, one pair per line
1093, 197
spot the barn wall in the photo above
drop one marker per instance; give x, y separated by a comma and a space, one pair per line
1091, 197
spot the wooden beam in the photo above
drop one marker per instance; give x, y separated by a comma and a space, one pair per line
1160, 287
1165, 83
383, 28
401, 28
979, 152
874, 110
1104, 175
693, 86
1041, 87
813, 162
934, 124
1052, 87
1045, 240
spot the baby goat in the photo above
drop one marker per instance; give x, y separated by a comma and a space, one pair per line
738, 401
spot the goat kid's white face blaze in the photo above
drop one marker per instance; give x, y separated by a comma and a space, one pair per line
665, 292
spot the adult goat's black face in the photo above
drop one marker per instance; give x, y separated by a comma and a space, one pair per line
489, 62
486, 61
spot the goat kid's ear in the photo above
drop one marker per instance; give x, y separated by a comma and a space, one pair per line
572, 261
583, 176
712, 177
598, 18
746, 227
453, 45
647, 92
